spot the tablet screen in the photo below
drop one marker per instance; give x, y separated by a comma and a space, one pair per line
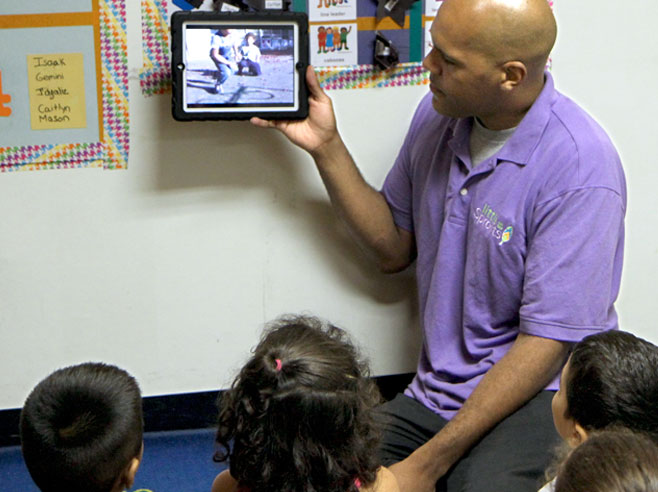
238, 65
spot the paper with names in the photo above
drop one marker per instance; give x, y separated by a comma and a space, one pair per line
56, 87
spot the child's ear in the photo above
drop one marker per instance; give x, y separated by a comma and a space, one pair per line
128, 476
131, 471
578, 435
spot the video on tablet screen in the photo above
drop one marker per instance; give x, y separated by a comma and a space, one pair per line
241, 67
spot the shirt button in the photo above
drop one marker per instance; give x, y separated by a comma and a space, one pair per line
463, 192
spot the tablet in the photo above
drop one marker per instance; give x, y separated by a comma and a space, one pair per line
236, 65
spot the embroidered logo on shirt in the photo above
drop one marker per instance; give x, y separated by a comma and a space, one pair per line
486, 218
507, 235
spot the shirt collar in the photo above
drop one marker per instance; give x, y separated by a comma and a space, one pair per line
525, 139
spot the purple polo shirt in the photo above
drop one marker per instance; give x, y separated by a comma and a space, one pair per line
530, 240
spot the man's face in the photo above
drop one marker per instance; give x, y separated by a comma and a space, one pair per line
463, 80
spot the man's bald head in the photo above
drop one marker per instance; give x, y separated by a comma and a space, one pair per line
506, 30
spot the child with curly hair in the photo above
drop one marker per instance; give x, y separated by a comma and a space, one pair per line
300, 416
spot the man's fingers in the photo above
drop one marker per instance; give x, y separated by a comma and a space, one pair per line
314, 84
262, 123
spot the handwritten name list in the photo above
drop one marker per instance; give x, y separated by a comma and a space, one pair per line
57, 91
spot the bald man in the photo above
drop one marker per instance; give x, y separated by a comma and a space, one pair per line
511, 200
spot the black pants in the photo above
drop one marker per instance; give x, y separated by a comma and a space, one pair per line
512, 457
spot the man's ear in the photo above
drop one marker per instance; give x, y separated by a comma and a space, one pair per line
578, 435
513, 73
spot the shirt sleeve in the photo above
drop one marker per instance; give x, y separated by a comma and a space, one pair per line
397, 191
573, 264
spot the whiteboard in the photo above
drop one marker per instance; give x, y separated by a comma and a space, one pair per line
171, 268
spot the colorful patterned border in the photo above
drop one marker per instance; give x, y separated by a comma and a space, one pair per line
112, 152
366, 76
155, 77
114, 54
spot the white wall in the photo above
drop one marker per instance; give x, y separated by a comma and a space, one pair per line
606, 59
171, 267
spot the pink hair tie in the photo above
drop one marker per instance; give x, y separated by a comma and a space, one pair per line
357, 483
279, 365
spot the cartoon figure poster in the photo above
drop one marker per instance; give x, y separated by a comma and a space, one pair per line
427, 44
331, 10
175, 5
334, 44
432, 7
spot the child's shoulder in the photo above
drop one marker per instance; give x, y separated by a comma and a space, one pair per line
385, 482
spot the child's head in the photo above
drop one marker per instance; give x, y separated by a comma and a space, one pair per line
610, 379
610, 461
299, 416
81, 429
250, 38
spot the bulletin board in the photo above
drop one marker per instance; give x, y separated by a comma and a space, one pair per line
63, 85
350, 68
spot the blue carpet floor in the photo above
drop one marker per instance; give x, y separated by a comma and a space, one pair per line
175, 461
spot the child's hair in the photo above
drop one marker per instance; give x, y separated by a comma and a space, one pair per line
81, 427
300, 414
613, 380
610, 461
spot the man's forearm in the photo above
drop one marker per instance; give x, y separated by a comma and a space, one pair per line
524, 371
363, 208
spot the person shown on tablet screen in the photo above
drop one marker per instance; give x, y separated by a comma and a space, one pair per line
223, 53
249, 56
510, 199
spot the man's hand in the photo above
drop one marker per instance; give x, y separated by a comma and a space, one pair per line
410, 476
318, 129
518, 376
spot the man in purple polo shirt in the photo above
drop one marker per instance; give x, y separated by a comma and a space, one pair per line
511, 199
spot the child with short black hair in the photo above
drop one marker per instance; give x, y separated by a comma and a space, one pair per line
300, 416
610, 461
81, 429
249, 56
609, 380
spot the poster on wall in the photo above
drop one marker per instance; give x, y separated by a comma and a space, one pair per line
63, 85
334, 44
341, 34
431, 8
